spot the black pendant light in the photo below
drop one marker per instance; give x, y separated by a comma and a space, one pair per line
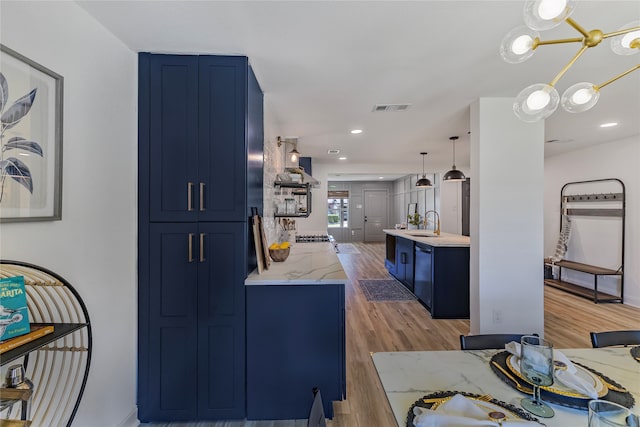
454, 175
424, 181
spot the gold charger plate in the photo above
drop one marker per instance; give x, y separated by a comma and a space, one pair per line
557, 387
433, 400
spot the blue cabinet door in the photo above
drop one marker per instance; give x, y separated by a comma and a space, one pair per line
404, 262
222, 110
172, 137
167, 363
221, 320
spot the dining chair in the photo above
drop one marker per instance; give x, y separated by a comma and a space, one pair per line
611, 338
488, 341
316, 415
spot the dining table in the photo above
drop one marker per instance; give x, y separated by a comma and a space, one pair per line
408, 376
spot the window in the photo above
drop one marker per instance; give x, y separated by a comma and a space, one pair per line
338, 209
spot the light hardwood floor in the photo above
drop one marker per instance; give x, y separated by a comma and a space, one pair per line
405, 326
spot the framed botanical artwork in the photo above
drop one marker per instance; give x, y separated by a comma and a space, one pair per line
30, 140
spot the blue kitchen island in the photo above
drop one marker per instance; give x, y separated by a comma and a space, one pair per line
434, 267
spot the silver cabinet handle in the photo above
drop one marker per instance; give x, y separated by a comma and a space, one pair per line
189, 196
202, 208
202, 258
190, 247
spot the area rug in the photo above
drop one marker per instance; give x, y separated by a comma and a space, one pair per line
347, 248
385, 290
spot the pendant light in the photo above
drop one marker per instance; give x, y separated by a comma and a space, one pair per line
454, 175
424, 181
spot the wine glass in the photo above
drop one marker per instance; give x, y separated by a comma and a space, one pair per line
536, 365
603, 413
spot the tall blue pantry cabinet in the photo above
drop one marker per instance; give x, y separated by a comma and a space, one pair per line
200, 172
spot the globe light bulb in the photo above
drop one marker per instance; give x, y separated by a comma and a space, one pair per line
544, 15
518, 44
628, 38
627, 44
582, 96
550, 9
538, 100
521, 44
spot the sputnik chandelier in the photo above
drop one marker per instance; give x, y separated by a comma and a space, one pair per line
540, 100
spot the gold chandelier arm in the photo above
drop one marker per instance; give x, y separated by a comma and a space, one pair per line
539, 42
566, 67
619, 32
575, 25
631, 70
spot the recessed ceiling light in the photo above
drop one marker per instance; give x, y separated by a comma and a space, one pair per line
342, 158
608, 125
381, 177
356, 131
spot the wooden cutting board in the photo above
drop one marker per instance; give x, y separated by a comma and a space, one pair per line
265, 245
257, 240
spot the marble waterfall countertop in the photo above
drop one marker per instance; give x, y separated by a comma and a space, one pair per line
307, 264
428, 237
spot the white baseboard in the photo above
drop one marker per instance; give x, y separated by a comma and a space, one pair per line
131, 420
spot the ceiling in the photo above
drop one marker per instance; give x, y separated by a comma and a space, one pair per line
323, 65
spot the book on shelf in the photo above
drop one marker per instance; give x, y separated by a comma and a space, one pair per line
37, 331
14, 315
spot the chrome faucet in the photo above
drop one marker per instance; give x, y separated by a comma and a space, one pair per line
436, 223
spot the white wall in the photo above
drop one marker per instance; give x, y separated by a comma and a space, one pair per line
618, 159
94, 245
506, 220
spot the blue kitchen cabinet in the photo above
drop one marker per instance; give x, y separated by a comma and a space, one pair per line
200, 138
198, 110
404, 270
295, 342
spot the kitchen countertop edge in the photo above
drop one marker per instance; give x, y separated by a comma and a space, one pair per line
443, 240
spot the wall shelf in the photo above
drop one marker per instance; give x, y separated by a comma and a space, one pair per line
297, 190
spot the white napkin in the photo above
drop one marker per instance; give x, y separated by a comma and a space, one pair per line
567, 377
458, 412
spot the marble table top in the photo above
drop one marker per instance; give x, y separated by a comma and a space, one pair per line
407, 376
307, 264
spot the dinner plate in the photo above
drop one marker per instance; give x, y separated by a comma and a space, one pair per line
434, 400
558, 387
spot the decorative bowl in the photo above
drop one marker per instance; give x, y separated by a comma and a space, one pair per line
279, 255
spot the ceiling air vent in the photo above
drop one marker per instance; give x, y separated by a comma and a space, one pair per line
390, 107
333, 151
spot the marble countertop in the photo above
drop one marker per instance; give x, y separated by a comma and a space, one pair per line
428, 237
307, 264
409, 375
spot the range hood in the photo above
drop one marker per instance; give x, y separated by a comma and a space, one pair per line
306, 178
309, 179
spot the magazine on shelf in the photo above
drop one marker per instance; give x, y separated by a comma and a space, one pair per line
14, 316
37, 331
